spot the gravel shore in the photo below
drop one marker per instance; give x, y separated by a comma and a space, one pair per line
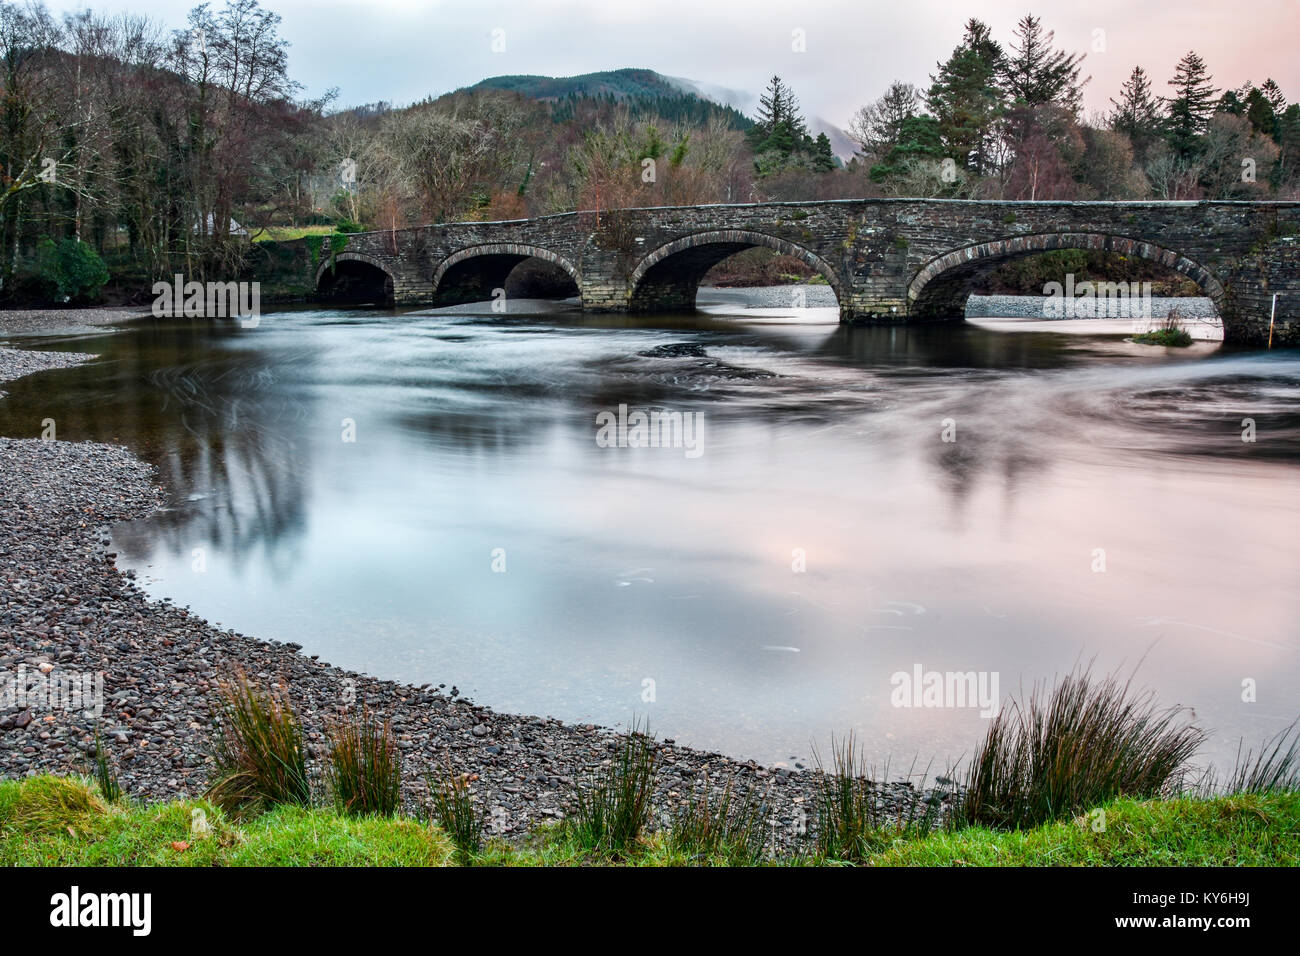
808, 295
65, 609
57, 321
15, 363
1191, 308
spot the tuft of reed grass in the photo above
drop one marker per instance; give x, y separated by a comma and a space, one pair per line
613, 810
732, 828
258, 751
854, 815
1078, 744
1170, 332
365, 768
105, 776
1275, 769
454, 811
47, 805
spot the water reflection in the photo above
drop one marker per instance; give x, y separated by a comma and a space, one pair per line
475, 433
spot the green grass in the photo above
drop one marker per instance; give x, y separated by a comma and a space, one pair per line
1243, 830
50, 821
47, 805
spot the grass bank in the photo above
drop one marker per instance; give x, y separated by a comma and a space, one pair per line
62, 821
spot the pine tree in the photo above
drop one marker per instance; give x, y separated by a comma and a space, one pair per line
780, 128
966, 99
1259, 111
772, 104
823, 155
1192, 104
1137, 112
918, 139
1272, 93
1038, 75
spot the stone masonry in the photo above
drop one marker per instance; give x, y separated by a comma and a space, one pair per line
888, 260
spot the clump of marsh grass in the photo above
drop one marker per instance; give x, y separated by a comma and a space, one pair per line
1275, 769
855, 817
1080, 743
105, 775
258, 751
613, 809
455, 813
731, 827
1170, 332
365, 769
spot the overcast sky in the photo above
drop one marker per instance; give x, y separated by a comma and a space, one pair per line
404, 50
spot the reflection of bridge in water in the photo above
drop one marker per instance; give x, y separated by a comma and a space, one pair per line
887, 260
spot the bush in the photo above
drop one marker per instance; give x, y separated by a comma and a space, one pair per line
69, 269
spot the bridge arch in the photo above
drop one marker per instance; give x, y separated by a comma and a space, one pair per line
670, 276
471, 274
941, 286
354, 277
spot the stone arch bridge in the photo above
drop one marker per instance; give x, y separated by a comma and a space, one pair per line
887, 260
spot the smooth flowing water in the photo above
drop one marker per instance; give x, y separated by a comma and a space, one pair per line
1098, 504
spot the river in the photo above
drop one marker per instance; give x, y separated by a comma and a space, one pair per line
422, 496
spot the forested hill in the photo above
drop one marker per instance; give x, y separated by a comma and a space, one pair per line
640, 92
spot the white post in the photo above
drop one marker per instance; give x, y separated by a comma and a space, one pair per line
1271, 318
